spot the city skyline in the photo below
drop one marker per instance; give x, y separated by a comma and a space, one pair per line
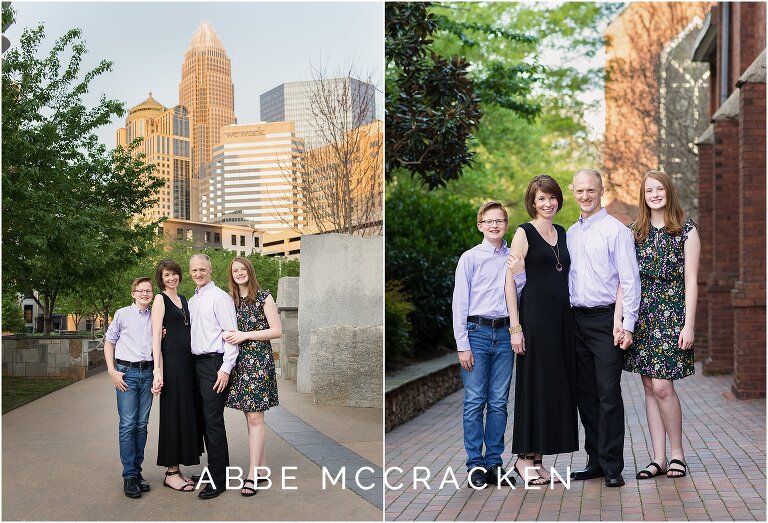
149, 54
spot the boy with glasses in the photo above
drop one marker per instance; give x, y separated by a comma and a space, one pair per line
480, 326
129, 341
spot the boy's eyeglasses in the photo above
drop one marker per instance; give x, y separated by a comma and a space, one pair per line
142, 291
493, 222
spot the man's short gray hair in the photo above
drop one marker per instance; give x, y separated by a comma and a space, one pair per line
593, 172
201, 256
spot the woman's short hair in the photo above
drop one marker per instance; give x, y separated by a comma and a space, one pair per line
546, 184
166, 265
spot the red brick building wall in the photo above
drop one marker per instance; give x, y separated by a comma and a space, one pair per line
705, 223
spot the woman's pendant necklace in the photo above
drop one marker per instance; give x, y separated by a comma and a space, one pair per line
186, 320
558, 266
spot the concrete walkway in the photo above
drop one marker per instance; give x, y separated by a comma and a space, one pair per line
61, 462
724, 441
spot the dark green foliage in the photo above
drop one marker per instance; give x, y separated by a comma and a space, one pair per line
397, 308
13, 316
426, 234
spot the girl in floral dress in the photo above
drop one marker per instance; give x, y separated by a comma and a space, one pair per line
253, 384
667, 247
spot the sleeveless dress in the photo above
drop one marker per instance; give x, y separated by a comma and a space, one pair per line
253, 383
545, 385
181, 437
654, 351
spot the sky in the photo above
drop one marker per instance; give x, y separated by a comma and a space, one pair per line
268, 43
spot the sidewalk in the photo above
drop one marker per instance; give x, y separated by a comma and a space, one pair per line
724, 440
61, 462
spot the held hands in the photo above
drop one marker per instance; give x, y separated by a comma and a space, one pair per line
222, 378
516, 263
466, 360
518, 343
618, 333
157, 384
234, 337
627, 340
685, 340
117, 379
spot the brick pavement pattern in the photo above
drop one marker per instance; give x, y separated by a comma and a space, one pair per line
724, 441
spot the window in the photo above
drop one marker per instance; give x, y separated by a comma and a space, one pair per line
179, 233
234, 239
242, 242
207, 236
216, 237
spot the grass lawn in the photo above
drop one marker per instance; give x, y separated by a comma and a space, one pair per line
18, 391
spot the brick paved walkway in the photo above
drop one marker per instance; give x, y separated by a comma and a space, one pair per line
724, 440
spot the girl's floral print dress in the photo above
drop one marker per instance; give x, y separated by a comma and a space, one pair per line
654, 351
253, 384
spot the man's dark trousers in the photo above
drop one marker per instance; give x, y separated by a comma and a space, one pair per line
213, 414
601, 408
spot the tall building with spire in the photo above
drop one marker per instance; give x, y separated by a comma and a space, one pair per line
166, 144
206, 90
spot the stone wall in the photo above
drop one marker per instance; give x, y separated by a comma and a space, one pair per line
288, 308
52, 357
350, 373
341, 283
410, 399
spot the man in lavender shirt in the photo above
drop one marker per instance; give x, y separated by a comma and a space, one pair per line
603, 269
211, 313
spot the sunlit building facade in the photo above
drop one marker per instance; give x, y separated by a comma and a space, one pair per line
255, 178
166, 144
206, 90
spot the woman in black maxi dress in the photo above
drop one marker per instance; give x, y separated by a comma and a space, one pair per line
180, 440
545, 420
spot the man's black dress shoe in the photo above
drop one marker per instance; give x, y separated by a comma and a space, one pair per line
614, 480
496, 472
588, 472
209, 492
143, 485
131, 487
478, 479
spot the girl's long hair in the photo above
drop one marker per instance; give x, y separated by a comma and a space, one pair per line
253, 283
674, 216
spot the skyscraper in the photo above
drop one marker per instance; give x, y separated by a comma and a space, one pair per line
166, 145
255, 178
206, 90
348, 102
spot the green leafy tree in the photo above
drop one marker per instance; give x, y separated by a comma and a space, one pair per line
65, 198
13, 316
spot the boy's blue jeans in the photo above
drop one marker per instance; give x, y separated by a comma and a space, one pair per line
487, 384
133, 409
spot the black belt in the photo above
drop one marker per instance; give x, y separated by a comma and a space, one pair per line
141, 365
207, 355
596, 310
489, 322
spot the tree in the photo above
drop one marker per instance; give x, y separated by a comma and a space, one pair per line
433, 102
65, 198
341, 180
13, 316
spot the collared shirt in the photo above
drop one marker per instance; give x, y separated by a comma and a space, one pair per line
602, 257
131, 334
479, 288
211, 313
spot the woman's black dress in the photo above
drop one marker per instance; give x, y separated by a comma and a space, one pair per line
545, 386
181, 438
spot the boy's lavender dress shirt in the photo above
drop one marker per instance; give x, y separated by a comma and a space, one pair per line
602, 255
131, 333
211, 312
479, 288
